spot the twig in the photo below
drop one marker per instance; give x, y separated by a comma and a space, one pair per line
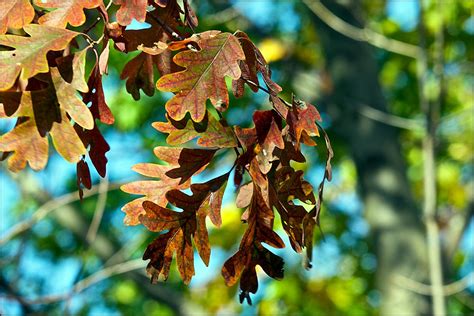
167, 29
429, 182
127, 249
47, 208
99, 210
90, 280
109, 5
361, 34
425, 289
224, 16
390, 119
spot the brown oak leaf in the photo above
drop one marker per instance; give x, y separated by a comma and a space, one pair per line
203, 77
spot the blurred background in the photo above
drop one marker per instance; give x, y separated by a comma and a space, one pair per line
393, 81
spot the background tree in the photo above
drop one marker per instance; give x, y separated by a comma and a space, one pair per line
342, 279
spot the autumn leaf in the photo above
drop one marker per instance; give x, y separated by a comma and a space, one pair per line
66, 141
95, 96
301, 120
97, 147
180, 162
203, 77
29, 56
190, 162
29, 146
254, 63
131, 9
15, 14
130, 40
251, 253
83, 177
190, 224
189, 15
139, 75
211, 132
65, 11
70, 102
263, 138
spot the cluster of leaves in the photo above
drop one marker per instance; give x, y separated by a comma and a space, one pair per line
43, 85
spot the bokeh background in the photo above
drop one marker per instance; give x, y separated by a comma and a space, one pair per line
72, 257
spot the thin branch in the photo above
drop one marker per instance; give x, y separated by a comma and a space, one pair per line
425, 289
87, 282
127, 249
224, 16
431, 113
390, 119
47, 208
168, 30
361, 34
99, 210
109, 5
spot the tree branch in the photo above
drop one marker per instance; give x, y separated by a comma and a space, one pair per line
389, 119
99, 210
426, 289
361, 34
431, 113
48, 207
90, 280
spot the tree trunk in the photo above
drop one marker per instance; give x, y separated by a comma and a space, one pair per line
389, 207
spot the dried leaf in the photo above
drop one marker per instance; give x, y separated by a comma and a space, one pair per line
66, 141
213, 134
139, 75
186, 225
95, 96
302, 120
27, 145
15, 14
204, 76
66, 11
189, 15
30, 146
254, 62
155, 191
70, 102
29, 56
83, 176
97, 145
190, 161
131, 9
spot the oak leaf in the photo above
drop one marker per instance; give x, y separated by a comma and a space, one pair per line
190, 224
97, 145
70, 102
131, 9
211, 132
28, 145
180, 163
254, 63
301, 120
259, 217
15, 14
95, 95
29, 56
204, 75
65, 11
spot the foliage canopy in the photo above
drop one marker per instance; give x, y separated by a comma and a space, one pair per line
54, 90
